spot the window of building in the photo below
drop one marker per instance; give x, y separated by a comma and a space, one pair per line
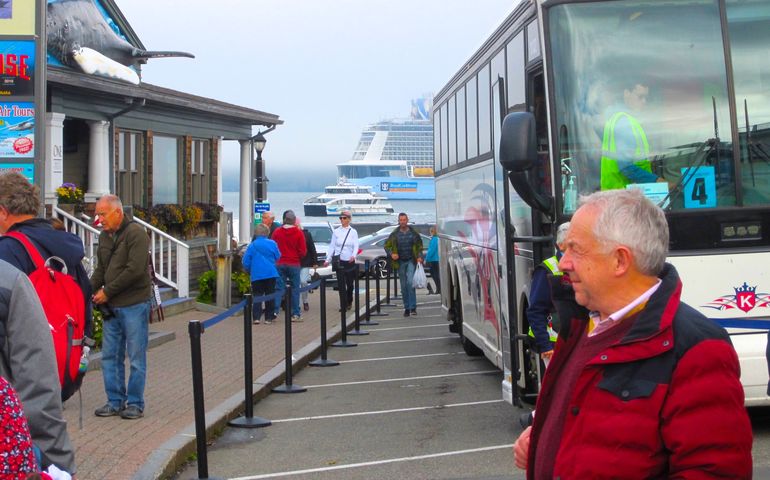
199, 171
165, 170
129, 178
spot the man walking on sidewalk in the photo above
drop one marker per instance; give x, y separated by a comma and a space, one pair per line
291, 243
404, 246
122, 285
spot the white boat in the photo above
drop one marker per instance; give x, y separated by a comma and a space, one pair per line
359, 199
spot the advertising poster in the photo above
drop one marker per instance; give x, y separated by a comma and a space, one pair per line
17, 130
17, 17
26, 169
17, 67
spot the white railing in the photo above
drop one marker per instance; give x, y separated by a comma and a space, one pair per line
171, 257
174, 272
88, 235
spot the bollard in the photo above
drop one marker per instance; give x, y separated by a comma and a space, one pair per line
288, 386
387, 290
195, 329
248, 420
367, 301
378, 313
395, 295
357, 329
343, 341
323, 361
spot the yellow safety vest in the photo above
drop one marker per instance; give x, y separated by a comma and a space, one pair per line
611, 178
552, 264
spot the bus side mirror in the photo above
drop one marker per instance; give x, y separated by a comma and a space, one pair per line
518, 155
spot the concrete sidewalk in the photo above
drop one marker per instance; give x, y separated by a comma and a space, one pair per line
154, 446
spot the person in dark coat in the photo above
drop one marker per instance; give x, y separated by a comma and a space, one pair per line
310, 260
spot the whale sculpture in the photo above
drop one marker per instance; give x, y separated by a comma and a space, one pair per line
79, 37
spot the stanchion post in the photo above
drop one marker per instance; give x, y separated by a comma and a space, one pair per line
368, 319
395, 295
343, 341
195, 329
378, 313
357, 306
323, 361
248, 420
288, 387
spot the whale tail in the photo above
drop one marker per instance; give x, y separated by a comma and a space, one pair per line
143, 54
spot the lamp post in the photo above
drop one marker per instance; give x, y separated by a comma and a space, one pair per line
259, 170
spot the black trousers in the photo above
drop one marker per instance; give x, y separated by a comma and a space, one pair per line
435, 275
260, 288
346, 276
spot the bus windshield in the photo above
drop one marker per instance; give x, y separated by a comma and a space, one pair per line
641, 100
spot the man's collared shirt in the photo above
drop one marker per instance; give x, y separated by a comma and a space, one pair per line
597, 325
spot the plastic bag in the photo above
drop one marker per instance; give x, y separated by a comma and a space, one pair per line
419, 280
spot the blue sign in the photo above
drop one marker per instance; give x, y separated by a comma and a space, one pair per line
700, 190
261, 207
17, 130
26, 169
17, 67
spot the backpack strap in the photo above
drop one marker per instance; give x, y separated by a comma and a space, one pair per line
37, 259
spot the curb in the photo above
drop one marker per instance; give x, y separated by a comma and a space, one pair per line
173, 454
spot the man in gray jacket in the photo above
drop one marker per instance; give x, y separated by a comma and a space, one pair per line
121, 283
28, 362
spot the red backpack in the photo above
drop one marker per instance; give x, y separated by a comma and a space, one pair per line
63, 304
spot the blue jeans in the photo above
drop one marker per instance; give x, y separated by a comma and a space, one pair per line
126, 332
291, 274
406, 277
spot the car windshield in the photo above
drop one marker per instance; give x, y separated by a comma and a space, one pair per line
321, 234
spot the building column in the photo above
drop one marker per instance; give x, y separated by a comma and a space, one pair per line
54, 155
98, 160
220, 158
246, 214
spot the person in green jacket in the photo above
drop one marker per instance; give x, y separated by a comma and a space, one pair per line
404, 246
122, 285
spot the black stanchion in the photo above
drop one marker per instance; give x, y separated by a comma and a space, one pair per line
395, 295
357, 329
288, 386
368, 317
248, 420
195, 329
323, 361
377, 302
343, 341
387, 288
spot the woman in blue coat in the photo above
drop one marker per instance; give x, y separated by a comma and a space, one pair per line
259, 261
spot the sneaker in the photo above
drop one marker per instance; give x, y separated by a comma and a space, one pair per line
256, 321
296, 318
406, 312
107, 411
414, 312
306, 306
131, 412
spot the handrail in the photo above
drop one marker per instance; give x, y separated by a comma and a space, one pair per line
179, 276
87, 234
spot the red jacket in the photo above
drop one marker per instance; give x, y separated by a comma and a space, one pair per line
664, 402
291, 243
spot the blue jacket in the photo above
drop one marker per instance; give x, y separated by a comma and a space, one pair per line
432, 255
260, 259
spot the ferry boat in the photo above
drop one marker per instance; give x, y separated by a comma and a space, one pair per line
395, 157
359, 199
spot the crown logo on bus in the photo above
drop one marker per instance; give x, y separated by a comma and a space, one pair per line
746, 299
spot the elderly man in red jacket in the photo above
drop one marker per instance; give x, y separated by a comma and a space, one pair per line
291, 243
641, 384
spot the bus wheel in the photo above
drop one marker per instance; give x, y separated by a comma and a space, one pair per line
470, 349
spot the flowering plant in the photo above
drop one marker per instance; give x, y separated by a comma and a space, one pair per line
69, 193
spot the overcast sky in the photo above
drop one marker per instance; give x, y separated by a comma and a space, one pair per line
326, 67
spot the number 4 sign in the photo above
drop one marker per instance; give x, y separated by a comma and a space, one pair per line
700, 189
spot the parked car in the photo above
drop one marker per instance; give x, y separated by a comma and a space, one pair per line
372, 248
422, 228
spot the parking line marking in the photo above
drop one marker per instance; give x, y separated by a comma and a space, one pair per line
394, 410
407, 340
377, 462
402, 357
407, 328
385, 380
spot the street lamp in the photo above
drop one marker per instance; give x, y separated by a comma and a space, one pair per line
259, 145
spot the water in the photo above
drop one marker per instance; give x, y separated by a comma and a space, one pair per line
419, 211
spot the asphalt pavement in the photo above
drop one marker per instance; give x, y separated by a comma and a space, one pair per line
405, 403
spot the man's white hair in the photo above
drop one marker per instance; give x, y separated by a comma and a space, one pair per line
628, 218
561, 233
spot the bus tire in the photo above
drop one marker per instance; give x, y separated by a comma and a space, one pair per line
468, 347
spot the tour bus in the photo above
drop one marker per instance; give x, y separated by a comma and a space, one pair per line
674, 94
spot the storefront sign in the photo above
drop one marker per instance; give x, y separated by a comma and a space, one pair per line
17, 67
17, 130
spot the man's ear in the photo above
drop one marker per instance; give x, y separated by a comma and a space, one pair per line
624, 260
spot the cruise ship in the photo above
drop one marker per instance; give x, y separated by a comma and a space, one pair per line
358, 199
395, 157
